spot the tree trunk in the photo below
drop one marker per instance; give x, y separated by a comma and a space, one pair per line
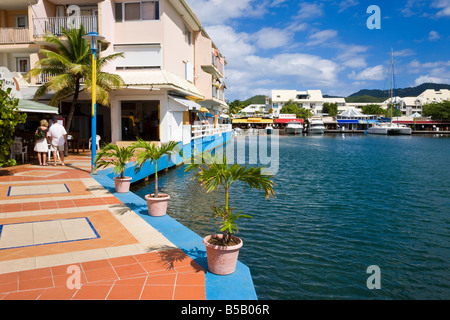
72, 111
156, 180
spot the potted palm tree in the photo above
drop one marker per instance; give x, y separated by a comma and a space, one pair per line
213, 172
157, 202
113, 155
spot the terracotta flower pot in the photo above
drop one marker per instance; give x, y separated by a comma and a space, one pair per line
157, 207
221, 259
122, 184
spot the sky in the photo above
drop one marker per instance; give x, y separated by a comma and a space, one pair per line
337, 46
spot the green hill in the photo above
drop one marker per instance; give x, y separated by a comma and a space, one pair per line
405, 92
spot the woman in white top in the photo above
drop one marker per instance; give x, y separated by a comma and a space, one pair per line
41, 146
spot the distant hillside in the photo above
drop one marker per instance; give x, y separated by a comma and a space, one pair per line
258, 99
405, 92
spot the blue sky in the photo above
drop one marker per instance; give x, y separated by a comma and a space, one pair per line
326, 44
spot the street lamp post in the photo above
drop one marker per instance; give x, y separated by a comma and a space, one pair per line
93, 38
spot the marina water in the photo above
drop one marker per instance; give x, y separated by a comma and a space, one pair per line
342, 205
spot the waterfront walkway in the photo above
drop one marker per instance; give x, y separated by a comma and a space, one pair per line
58, 225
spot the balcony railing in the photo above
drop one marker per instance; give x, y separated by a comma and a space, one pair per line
55, 25
14, 35
202, 130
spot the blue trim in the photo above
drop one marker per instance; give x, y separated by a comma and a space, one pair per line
236, 286
97, 236
36, 194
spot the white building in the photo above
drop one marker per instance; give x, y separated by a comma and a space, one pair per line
309, 99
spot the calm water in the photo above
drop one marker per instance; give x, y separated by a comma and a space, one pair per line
341, 206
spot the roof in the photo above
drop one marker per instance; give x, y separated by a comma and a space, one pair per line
37, 107
352, 113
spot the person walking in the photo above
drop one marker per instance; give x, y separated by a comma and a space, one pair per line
57, 136
41, 146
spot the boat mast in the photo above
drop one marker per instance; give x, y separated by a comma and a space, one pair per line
392, 81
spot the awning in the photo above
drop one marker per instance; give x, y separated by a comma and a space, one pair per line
240, 121
288, 120
36, 107
191, 105
203, 109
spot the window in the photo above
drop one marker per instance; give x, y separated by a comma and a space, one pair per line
139, 56
21, 21
189, 71
23, 64
187, 35
136, 11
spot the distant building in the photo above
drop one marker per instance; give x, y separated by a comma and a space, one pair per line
309, 99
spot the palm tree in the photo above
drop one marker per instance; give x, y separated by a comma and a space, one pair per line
68, 66
113, 155
148, 151
214, 172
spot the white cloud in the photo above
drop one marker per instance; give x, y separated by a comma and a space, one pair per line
404, 53
232, 44
269, 38
220, 11
310, 11
372, 73
343, 5
321, 37
443, 6
429, 78
433, 35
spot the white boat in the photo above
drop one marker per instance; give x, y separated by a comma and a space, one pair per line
269, 129
390, 128
294, 127
237, 131
316, 125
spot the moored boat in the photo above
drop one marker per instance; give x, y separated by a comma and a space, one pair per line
294, 127
316, 125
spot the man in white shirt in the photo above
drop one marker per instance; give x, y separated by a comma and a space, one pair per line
57, 137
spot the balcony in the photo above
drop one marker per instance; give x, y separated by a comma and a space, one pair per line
55, 25
14, 35
215, 68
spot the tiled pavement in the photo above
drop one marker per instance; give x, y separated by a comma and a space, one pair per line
63, 236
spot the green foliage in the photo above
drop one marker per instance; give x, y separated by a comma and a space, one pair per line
152, 152
437, 110
372, 109
214, 172
294, 108
67, 65
330, 108
366, 98
10, 117
113, 155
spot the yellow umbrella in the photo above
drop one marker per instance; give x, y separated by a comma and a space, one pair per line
203, 109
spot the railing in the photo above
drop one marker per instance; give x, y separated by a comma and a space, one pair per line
201, 130
43, 78
14, 35
55, 25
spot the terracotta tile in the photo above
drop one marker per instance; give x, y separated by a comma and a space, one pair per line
126, 290
65, 203
156, 265
191, 279
97, 264
9, 277
24, 295
157, 293
161, 279
49, 205
31, 206
131, 270
92, 292
189, 293
100, 274
35, 274
150, 256
8, 287
59, 293
120, 261
40, 283
62, 270
12, 207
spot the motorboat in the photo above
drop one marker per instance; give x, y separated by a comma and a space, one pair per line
294, 127
316, 125
269, 129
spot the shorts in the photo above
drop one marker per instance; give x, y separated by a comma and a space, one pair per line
57, 148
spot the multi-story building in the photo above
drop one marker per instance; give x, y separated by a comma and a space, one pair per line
171, 67
309, 99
